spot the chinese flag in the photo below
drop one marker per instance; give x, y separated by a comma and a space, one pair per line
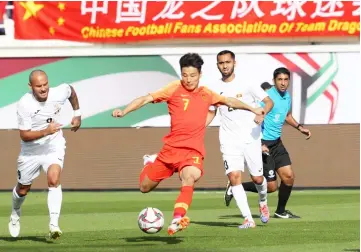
44, 20
2, 9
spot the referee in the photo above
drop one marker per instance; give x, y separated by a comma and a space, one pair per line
276, 158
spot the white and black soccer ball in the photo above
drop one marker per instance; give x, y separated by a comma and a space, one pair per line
151, 220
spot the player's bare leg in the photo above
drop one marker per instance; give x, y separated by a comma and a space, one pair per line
235, 179
147, 185
272, 186
55, 197
287, 179
18, 197
261, 186
189, 175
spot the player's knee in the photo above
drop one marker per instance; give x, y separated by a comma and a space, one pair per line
190, 175
289, 178
292, 178
188, 181
146, 185
272, 187
235, 178
257, 179
53, 182
144, 188
22, 191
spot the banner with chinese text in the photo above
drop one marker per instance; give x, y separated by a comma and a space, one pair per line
131, 21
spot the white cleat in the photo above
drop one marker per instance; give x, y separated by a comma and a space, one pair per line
149, 158
14, 227
264, 212
247, 224
54, 232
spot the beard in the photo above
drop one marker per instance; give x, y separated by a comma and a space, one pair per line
225, 76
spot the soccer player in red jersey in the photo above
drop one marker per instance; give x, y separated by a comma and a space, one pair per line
183, 149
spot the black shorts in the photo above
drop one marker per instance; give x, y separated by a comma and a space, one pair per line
277, 158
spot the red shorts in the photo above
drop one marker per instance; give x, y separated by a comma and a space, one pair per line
171, 160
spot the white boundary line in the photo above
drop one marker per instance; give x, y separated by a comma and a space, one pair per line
55, 48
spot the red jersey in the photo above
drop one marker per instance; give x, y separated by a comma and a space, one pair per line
188, 112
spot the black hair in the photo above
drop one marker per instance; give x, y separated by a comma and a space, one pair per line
226, 52
266, 85
191, 60
281, 70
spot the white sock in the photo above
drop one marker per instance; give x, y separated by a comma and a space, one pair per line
55, 197
262, 191
17, 202
241, 198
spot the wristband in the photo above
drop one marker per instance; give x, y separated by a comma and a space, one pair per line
77, 112
298, 126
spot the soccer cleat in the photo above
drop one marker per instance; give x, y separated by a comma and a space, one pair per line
286, 215
264, 212
247, 224
149, 158
178, 225
14, 227
228, 196
54, 232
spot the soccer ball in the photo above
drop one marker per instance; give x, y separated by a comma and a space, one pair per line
150, 220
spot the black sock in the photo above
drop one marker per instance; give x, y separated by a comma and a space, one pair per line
284, 193
249, 187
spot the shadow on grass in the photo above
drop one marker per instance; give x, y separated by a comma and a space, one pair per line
220, 224
255, 216
150, 238
42, 239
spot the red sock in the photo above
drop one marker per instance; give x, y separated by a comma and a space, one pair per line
183, 201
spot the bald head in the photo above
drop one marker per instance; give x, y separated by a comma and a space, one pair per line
37, 74
38, 81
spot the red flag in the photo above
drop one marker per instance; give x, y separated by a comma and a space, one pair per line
137, 20
2, 9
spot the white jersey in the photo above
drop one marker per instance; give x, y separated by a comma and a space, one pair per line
238, 126
34, 115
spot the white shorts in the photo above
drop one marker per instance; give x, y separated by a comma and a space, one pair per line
29, 165
236, 157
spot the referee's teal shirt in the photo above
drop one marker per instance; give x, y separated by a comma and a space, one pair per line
274, 120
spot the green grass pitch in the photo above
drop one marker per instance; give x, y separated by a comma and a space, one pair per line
107, 221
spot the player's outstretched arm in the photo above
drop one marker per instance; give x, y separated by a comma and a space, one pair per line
237, 104
134, 105
161, 95
260, 95
268, 105
291, 121
76, 121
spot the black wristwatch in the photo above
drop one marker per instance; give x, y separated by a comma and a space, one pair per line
298, 126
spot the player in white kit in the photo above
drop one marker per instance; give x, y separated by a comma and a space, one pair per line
240, 137
42, 145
